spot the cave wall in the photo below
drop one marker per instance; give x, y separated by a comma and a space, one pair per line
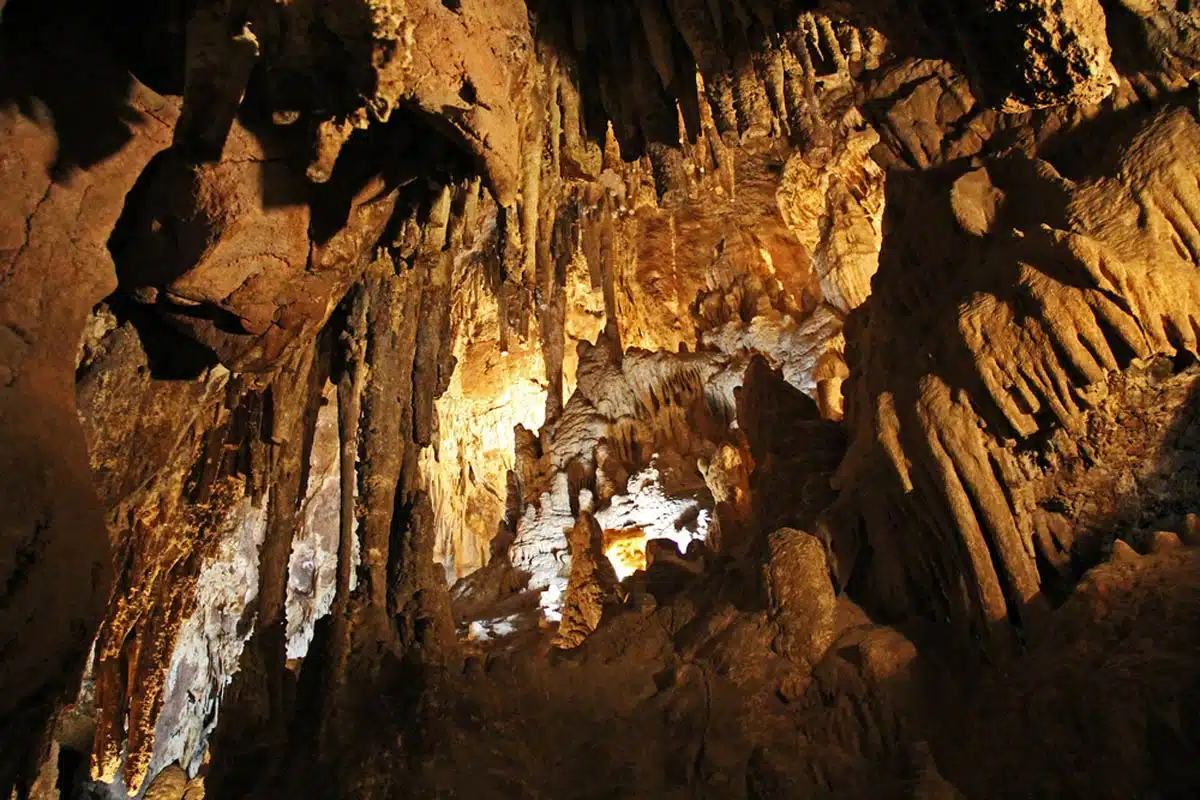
434, 207
1098, 274
66, 192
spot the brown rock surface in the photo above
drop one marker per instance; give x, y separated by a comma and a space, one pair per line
63, 196
592, 585
768, 379
800, 595
982, 359
1063, 47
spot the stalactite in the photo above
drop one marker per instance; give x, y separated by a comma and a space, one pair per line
219, 63
750, 96
659, 36
799, 46
645, 139
350, 391
581, 155
564, 236
607, 265
531, 187
258, 704
771, 65
293, 420
830, 39
692, 19
394, 393
434, 353
1090, 288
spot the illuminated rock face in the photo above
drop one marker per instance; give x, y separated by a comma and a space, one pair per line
466, 469
591, 587
833, 199
625, 549
646, 509
209, 645
312, 565
540, 548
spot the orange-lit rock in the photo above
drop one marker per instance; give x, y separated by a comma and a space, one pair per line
647, 397
626, 550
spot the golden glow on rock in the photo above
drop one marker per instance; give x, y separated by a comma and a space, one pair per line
626, 549
466, 471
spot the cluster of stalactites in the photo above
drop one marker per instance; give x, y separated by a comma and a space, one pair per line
1019, 345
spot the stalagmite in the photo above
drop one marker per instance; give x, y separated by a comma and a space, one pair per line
801, 596
592, 585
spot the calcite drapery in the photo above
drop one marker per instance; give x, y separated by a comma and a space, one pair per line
1072, 278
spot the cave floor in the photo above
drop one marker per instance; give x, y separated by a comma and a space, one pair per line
688, 699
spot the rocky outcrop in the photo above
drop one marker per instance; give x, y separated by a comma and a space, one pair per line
1059, 52
592, 585
704, 700
1126, 635
66, 190
173, 784
832, 198
800, 595
1070, 286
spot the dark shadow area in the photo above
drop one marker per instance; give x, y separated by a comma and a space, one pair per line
313, 60
286, 151
154, 230
407, 152
1083, 151
172, 354
154, 243
618, 67
1145, 480
55, 67
149, 38
1167, 39
1104, 701
633, 60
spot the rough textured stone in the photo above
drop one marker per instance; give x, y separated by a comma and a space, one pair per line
65, 193
592, 584
1063, 47
1019, 370
535, 295
801, 596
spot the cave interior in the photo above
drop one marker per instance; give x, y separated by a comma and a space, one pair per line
599, 398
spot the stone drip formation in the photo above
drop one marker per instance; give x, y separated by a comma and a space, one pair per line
646, 398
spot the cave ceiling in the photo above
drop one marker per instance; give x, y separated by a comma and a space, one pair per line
368, 368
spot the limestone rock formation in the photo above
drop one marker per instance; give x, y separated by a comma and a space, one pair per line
66, 191
1065, 47
800, 594
832, 198
1106, 266
592, 584
173, 784
647, 398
